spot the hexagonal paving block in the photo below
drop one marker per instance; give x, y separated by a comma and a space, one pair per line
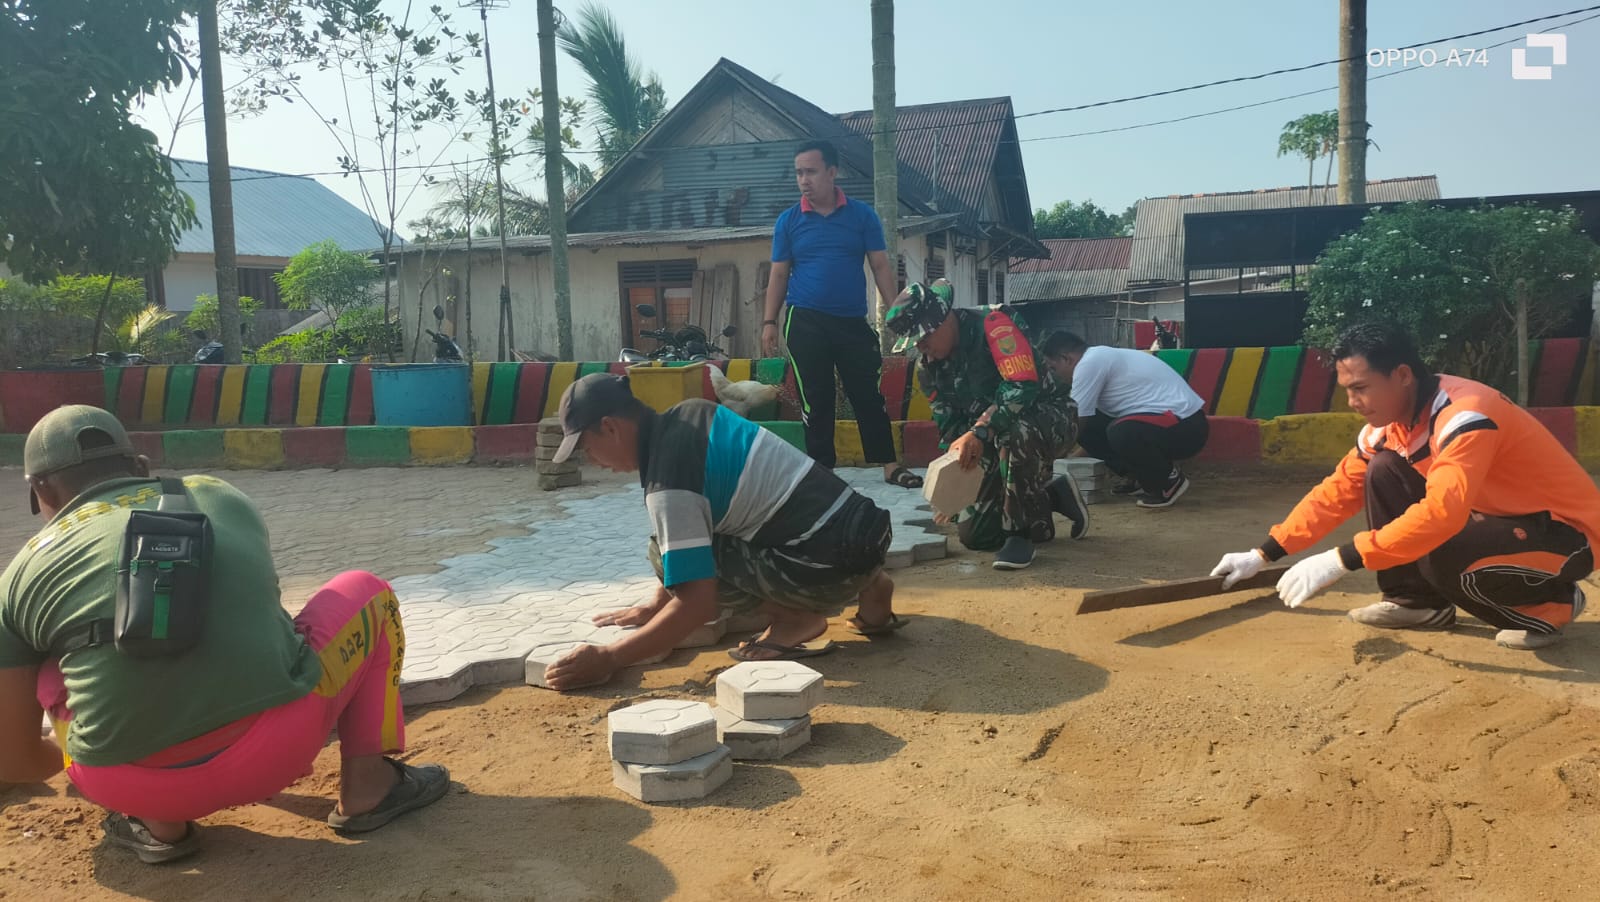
705, 634
662, 731
761, 740
769, 690
692, 779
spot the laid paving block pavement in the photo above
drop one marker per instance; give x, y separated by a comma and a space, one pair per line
478, 618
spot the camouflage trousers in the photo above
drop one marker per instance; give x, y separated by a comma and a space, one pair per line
809, 576
1017, 469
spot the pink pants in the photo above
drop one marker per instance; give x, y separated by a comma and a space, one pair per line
353, 624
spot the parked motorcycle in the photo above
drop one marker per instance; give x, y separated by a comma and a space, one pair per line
445, 349
687, 343
109, 358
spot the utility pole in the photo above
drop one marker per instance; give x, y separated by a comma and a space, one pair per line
1353, 101
554, 188
885, 164
508, 340
220, 176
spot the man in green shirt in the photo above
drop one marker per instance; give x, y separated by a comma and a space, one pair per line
166, 739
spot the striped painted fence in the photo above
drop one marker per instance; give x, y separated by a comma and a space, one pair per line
1259, 383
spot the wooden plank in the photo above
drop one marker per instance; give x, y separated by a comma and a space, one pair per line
699, 300
1177, 590
724, 289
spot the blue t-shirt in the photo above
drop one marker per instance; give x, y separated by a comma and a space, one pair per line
826, 254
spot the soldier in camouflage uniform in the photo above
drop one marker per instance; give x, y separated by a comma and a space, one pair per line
995, 406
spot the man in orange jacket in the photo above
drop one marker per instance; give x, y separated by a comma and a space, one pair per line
1471, 503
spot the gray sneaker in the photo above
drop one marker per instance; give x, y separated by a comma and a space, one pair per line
1016, 554
1528, 640
1390, 616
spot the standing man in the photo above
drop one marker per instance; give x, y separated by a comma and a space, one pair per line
1138, 415
817, 250
995, 410
1471, 503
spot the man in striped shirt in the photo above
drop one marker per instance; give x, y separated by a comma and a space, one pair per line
742, 521
1471, 503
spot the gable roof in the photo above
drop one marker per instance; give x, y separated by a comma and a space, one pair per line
1077, 268
972, 133
1158, 221
274, 214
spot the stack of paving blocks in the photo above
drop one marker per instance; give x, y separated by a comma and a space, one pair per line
764, 708
553, 475
666, 750
1091, 475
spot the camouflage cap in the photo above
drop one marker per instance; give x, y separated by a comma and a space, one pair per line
919, 311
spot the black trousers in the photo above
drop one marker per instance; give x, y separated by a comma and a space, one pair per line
819, 344
1516, 573
1145, 445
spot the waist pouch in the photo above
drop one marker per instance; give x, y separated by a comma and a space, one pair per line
163, 581
860, 533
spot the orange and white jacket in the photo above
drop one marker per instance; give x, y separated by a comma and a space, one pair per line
1477, 450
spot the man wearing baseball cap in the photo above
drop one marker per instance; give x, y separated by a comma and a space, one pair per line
742, 521
995, 409
162, 732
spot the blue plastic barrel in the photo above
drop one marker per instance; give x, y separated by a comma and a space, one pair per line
422, 394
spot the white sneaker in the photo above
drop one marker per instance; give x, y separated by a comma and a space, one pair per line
1528, 640
1388, 615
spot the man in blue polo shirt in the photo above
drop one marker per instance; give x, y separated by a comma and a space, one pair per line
818, 246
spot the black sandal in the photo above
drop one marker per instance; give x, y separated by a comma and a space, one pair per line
903, 478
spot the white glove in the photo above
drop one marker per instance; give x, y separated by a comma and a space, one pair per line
1309, 577
1239, 566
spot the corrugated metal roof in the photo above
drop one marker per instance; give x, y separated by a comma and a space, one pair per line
274, 214
1065, 284
955, 143
1158, 223
1068, 254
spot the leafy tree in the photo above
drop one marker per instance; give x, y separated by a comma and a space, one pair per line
85, 189
627, 99
204, 317
1449, 276
1081, 220
326, 278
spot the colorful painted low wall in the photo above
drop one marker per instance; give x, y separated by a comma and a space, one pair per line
1257, 383
1293, 440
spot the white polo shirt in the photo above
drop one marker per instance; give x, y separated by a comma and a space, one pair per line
1119, 382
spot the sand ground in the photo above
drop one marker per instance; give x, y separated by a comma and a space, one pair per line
1000, 747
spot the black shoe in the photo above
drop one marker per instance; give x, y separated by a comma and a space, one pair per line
1016, 554
1125, 485
1067, 500
1175, 488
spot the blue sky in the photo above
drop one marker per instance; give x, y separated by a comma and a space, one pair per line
1478, 129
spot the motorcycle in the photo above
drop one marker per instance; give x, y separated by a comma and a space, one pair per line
109, 358
445, 349
687, 343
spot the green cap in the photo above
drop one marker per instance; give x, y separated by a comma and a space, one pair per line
54, 443
918, 311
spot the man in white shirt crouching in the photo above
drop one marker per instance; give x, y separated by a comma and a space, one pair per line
1134, 412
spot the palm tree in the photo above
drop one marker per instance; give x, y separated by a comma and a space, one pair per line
628, 100
468, 207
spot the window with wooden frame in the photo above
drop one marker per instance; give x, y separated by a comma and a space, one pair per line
999, 287
900, 272
667, 285
983, 287
258, 283
935, 267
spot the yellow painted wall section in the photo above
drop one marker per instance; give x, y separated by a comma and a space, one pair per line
919, 408
1340, 403
1234, 400
155, 394
230, 397
1311, 438
309, 393
252, 449
847, 446
739, 369
1588, 436
480, 390
441, 444
561, 376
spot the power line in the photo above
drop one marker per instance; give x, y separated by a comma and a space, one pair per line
1076, 108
